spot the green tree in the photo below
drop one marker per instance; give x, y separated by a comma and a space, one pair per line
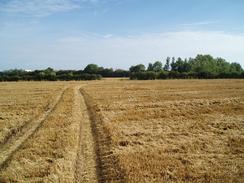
235, 67
222, 66
172, 65
167, 64
92, 69
137, 68
50, 74
203, 63
163, 75
157, 66
150, 67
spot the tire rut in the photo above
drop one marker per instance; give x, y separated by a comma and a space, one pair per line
108, 168
13, 144
86, 162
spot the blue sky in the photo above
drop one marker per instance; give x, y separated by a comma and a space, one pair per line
69, 34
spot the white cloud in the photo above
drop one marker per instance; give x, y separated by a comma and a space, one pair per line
37, 7
149, 47
200, 23
40, 8
121, 52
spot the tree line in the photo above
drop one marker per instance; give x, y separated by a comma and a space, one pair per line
91, 72
200, 67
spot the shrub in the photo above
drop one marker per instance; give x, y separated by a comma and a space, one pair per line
149, 75
163, 75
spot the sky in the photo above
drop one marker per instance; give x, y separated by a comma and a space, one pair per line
69, 34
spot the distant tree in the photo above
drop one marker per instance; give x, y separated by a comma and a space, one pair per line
120, 73
186, 66
167, 64
150, 67
181, 66
137, 68
49, 70
92, 69
157, 66
202, 66
148, 75
50, 74
105, 72
235, 67
172, 64
163, 75
222, 66
203, 63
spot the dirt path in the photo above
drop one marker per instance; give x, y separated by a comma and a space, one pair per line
86, 166
15, 142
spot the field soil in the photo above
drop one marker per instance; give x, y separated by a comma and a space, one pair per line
117, 130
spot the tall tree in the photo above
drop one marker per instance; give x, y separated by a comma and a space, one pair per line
157, 66
173, 65
167, 64
235, 67
150, 67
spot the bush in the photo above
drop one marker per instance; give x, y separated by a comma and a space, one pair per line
163, 75
86, 76
149, 75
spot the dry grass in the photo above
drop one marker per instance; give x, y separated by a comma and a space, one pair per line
143, 131
50, 154
173, 131
22, 102
86, 161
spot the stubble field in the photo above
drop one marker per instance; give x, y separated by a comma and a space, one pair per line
116, 130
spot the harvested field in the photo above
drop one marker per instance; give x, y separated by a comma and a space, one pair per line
49, 155
117, 130
21, 103
15, 141
173, 131
58, 146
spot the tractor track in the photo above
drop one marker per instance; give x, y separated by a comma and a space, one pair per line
107, 164
86, 160
15, 142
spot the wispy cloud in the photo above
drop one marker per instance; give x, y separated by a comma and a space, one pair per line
148, 47
123, 51
40, 8
200, 23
